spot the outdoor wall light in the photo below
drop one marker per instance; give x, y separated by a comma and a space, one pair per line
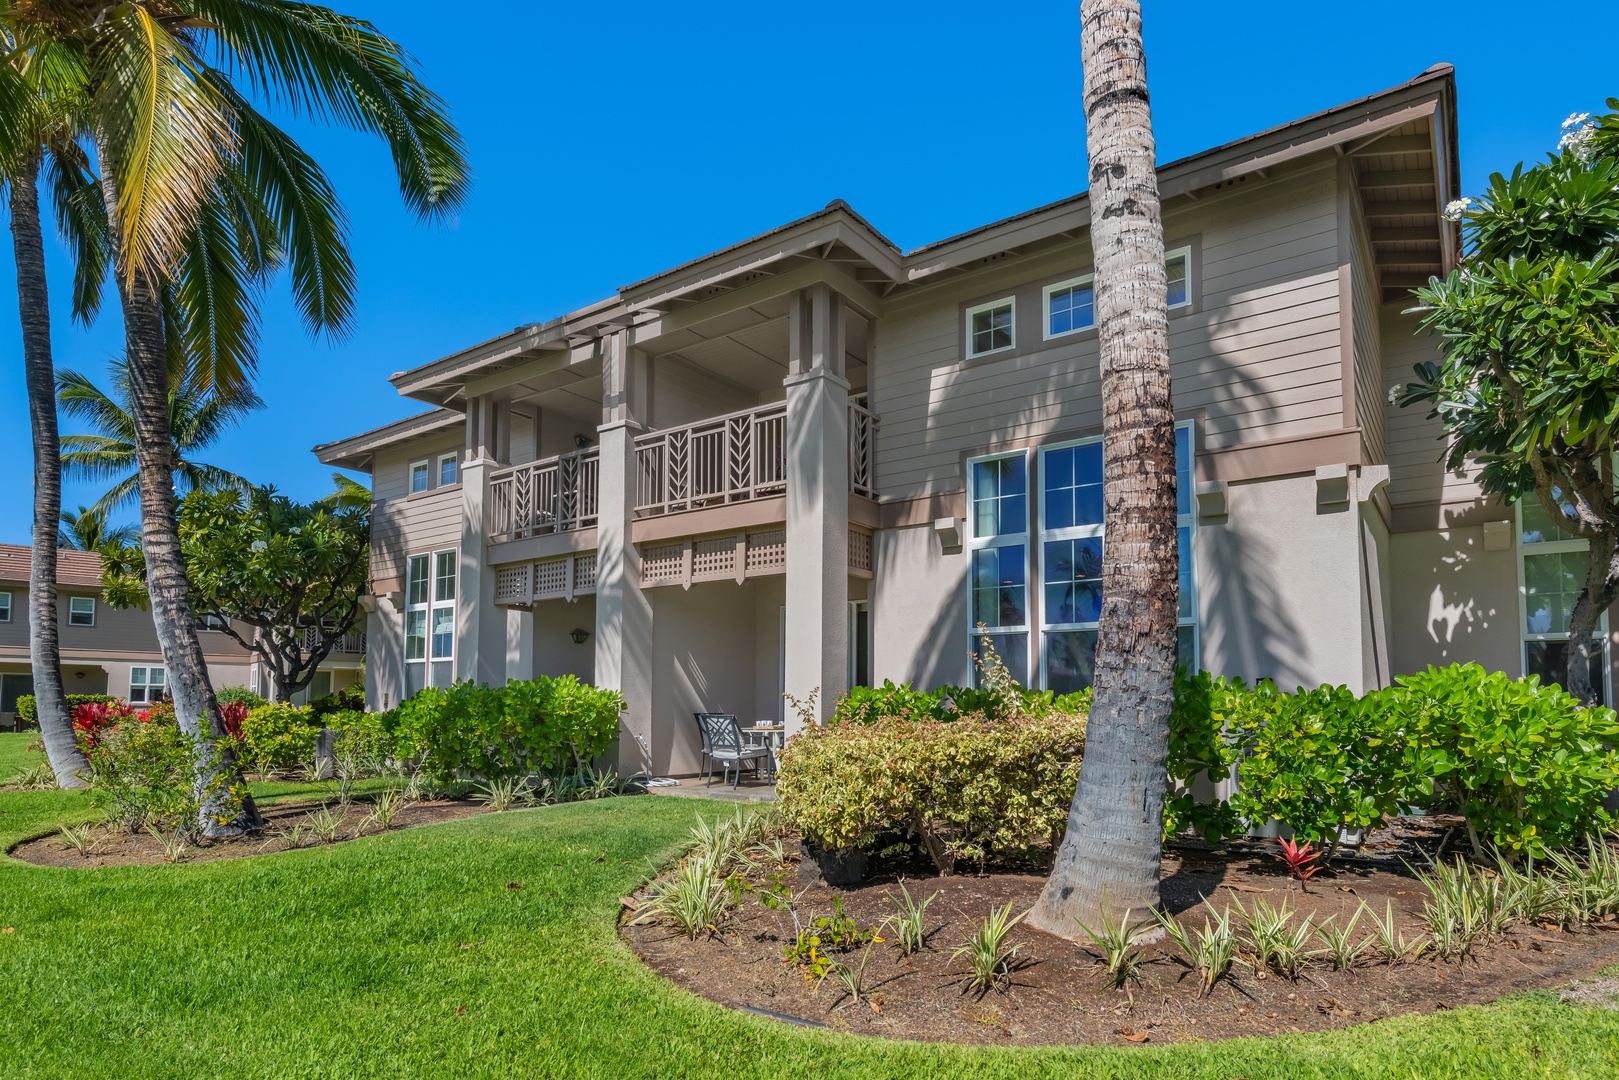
578, 634
582, 441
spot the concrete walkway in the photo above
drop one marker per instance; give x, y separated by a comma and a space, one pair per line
692, 787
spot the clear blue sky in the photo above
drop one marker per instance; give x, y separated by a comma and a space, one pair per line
611, 141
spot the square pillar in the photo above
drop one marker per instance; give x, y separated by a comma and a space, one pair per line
623, 610
817, 510
480, 626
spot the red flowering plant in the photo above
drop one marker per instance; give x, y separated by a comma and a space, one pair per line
233, 713
1300, 859
93, 719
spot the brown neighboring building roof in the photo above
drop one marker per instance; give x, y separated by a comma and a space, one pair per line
80, 569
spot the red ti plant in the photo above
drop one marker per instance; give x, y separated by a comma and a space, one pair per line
1300, 859
233, 713
91, 718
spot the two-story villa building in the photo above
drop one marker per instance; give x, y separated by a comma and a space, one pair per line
811, 459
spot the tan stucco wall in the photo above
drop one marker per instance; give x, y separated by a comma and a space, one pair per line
1454, 602
704, 660
919, 609
553, 650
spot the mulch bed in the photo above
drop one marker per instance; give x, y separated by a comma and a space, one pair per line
1057, 992
115, 846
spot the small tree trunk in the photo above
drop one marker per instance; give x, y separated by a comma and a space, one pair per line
33, 302
1110, 857
195, 706
1601, 577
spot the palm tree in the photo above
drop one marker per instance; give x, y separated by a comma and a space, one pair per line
87, 530
40, 111
1110, 857
198, 417
205, 199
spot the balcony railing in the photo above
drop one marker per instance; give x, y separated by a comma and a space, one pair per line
862, 451
555, 494
352, 642
721, 460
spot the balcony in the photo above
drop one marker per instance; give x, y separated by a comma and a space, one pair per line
352, 643
552, 495
735, 458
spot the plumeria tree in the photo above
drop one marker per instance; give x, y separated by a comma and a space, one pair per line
1528, 387
282, 578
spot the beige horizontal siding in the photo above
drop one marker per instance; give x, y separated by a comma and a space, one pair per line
390, 471
124, 634
1260, 355
411, 526
1415, 444
1370, 395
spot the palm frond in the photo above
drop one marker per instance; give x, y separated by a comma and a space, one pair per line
81, 399
194, 476
216, 292
81, 218
120, 495
331, 67
349, 494
165, 131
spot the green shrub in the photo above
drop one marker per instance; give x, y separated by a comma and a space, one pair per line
864, 704
227, 695
970, 788
1198, 745
545, 725
144, 772
362, 735
278, 736
349, 700
1321, 761
28, 709
1526, 764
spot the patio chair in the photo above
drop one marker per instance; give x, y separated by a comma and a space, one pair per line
723, 743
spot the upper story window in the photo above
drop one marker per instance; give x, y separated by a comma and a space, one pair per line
1070, 306
210, 622
418, 476
81, 611
1551, 575
448, 466
1178, 264
5, 607
990, 327
145, 685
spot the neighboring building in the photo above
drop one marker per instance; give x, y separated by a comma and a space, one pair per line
811, 459
108, 651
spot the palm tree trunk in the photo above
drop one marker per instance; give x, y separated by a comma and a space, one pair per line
33, 302
1110, 857
195, 706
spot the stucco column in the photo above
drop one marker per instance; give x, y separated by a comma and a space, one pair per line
623, 610
817, 503
480, 626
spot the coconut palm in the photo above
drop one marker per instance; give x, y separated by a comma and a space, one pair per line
39, 111
198, 417
87, 530
193, 177
1110, 855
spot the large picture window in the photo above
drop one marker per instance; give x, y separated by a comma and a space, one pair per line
1069, 531
430, 620
1551, 573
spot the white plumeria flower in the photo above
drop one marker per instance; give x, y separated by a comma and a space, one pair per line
1576, 120
259, 545
295, 530
1394, 393
1456, 208
1580, 142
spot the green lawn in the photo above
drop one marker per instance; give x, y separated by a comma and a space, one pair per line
348, 962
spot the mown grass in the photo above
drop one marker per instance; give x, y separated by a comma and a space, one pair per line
409, 955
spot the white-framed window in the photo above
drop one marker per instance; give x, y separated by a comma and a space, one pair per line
1065, 559
448, 469
418, 476
430, 620
145, 685
1551, 574
1178, 266
998, 558
81, 611
990, 327
1070, 306
210, 622
5, 607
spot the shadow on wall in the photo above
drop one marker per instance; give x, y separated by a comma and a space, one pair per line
1246, 629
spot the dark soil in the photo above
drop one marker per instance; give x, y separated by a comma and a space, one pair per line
1057, 993
116, 846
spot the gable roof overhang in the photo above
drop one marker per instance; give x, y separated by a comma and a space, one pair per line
358, 451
